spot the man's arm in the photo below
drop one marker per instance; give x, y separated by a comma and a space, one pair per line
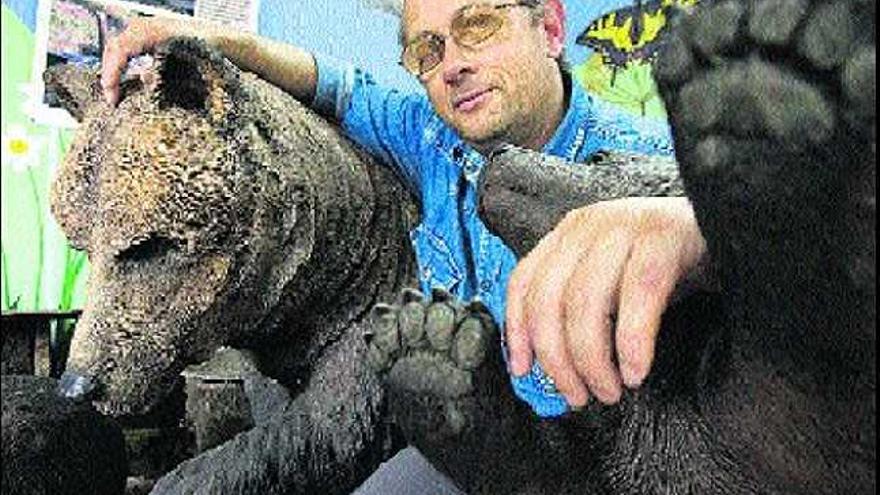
288, 67
387, 123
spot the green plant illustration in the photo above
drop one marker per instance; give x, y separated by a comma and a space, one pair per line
631, 87
39, 269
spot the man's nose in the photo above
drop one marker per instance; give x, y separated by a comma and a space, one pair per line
78, 386
456, 63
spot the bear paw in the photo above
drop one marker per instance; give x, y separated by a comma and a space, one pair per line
431, 355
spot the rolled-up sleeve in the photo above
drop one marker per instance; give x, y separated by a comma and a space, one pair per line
386, 122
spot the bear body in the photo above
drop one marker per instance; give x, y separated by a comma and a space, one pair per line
218, 211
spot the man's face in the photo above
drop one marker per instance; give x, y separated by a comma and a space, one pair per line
498, 90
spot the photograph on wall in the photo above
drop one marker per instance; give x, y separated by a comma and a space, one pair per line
76, 32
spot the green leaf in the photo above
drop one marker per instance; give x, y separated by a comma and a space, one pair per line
631, 88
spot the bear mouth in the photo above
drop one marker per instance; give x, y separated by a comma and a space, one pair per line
168, 410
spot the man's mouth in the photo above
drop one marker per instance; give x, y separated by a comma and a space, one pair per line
470, 100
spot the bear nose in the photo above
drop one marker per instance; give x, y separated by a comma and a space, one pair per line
76, 386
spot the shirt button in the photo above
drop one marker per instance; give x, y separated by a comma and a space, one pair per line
485, 285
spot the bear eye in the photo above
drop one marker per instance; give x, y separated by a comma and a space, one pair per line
153, 246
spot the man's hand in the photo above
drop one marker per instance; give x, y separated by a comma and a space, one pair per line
288, 67
139, 37
616, 260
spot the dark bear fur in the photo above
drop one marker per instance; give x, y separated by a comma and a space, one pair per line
766, 387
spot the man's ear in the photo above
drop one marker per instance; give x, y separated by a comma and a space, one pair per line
75, 87
554, 27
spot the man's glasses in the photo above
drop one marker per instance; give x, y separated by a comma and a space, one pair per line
471, 26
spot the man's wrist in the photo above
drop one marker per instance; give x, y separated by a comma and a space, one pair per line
237, 46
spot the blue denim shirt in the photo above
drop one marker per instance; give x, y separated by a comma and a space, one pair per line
455, 251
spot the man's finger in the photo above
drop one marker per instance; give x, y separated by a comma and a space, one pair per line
519, 344
135, 40
648, 281
557, 364
591, 300
519, 348
115, 60
112, 65
545, 319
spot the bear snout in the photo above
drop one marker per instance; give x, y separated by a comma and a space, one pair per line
78, 386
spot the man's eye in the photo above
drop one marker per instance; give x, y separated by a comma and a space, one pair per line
429, 60
422, 50
477, 27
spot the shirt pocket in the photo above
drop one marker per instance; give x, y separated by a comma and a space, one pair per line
437, 266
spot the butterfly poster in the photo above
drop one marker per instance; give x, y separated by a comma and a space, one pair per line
623, 42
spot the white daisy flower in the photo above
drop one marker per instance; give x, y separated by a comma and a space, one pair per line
21, 150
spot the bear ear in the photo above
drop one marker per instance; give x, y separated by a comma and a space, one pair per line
190, 75
73, 86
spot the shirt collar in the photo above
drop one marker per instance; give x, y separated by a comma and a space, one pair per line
570, 136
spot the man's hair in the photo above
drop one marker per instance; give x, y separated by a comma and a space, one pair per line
537, 15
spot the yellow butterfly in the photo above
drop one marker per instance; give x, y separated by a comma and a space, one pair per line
630, 33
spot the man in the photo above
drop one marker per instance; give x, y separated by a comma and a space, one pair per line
493, 73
